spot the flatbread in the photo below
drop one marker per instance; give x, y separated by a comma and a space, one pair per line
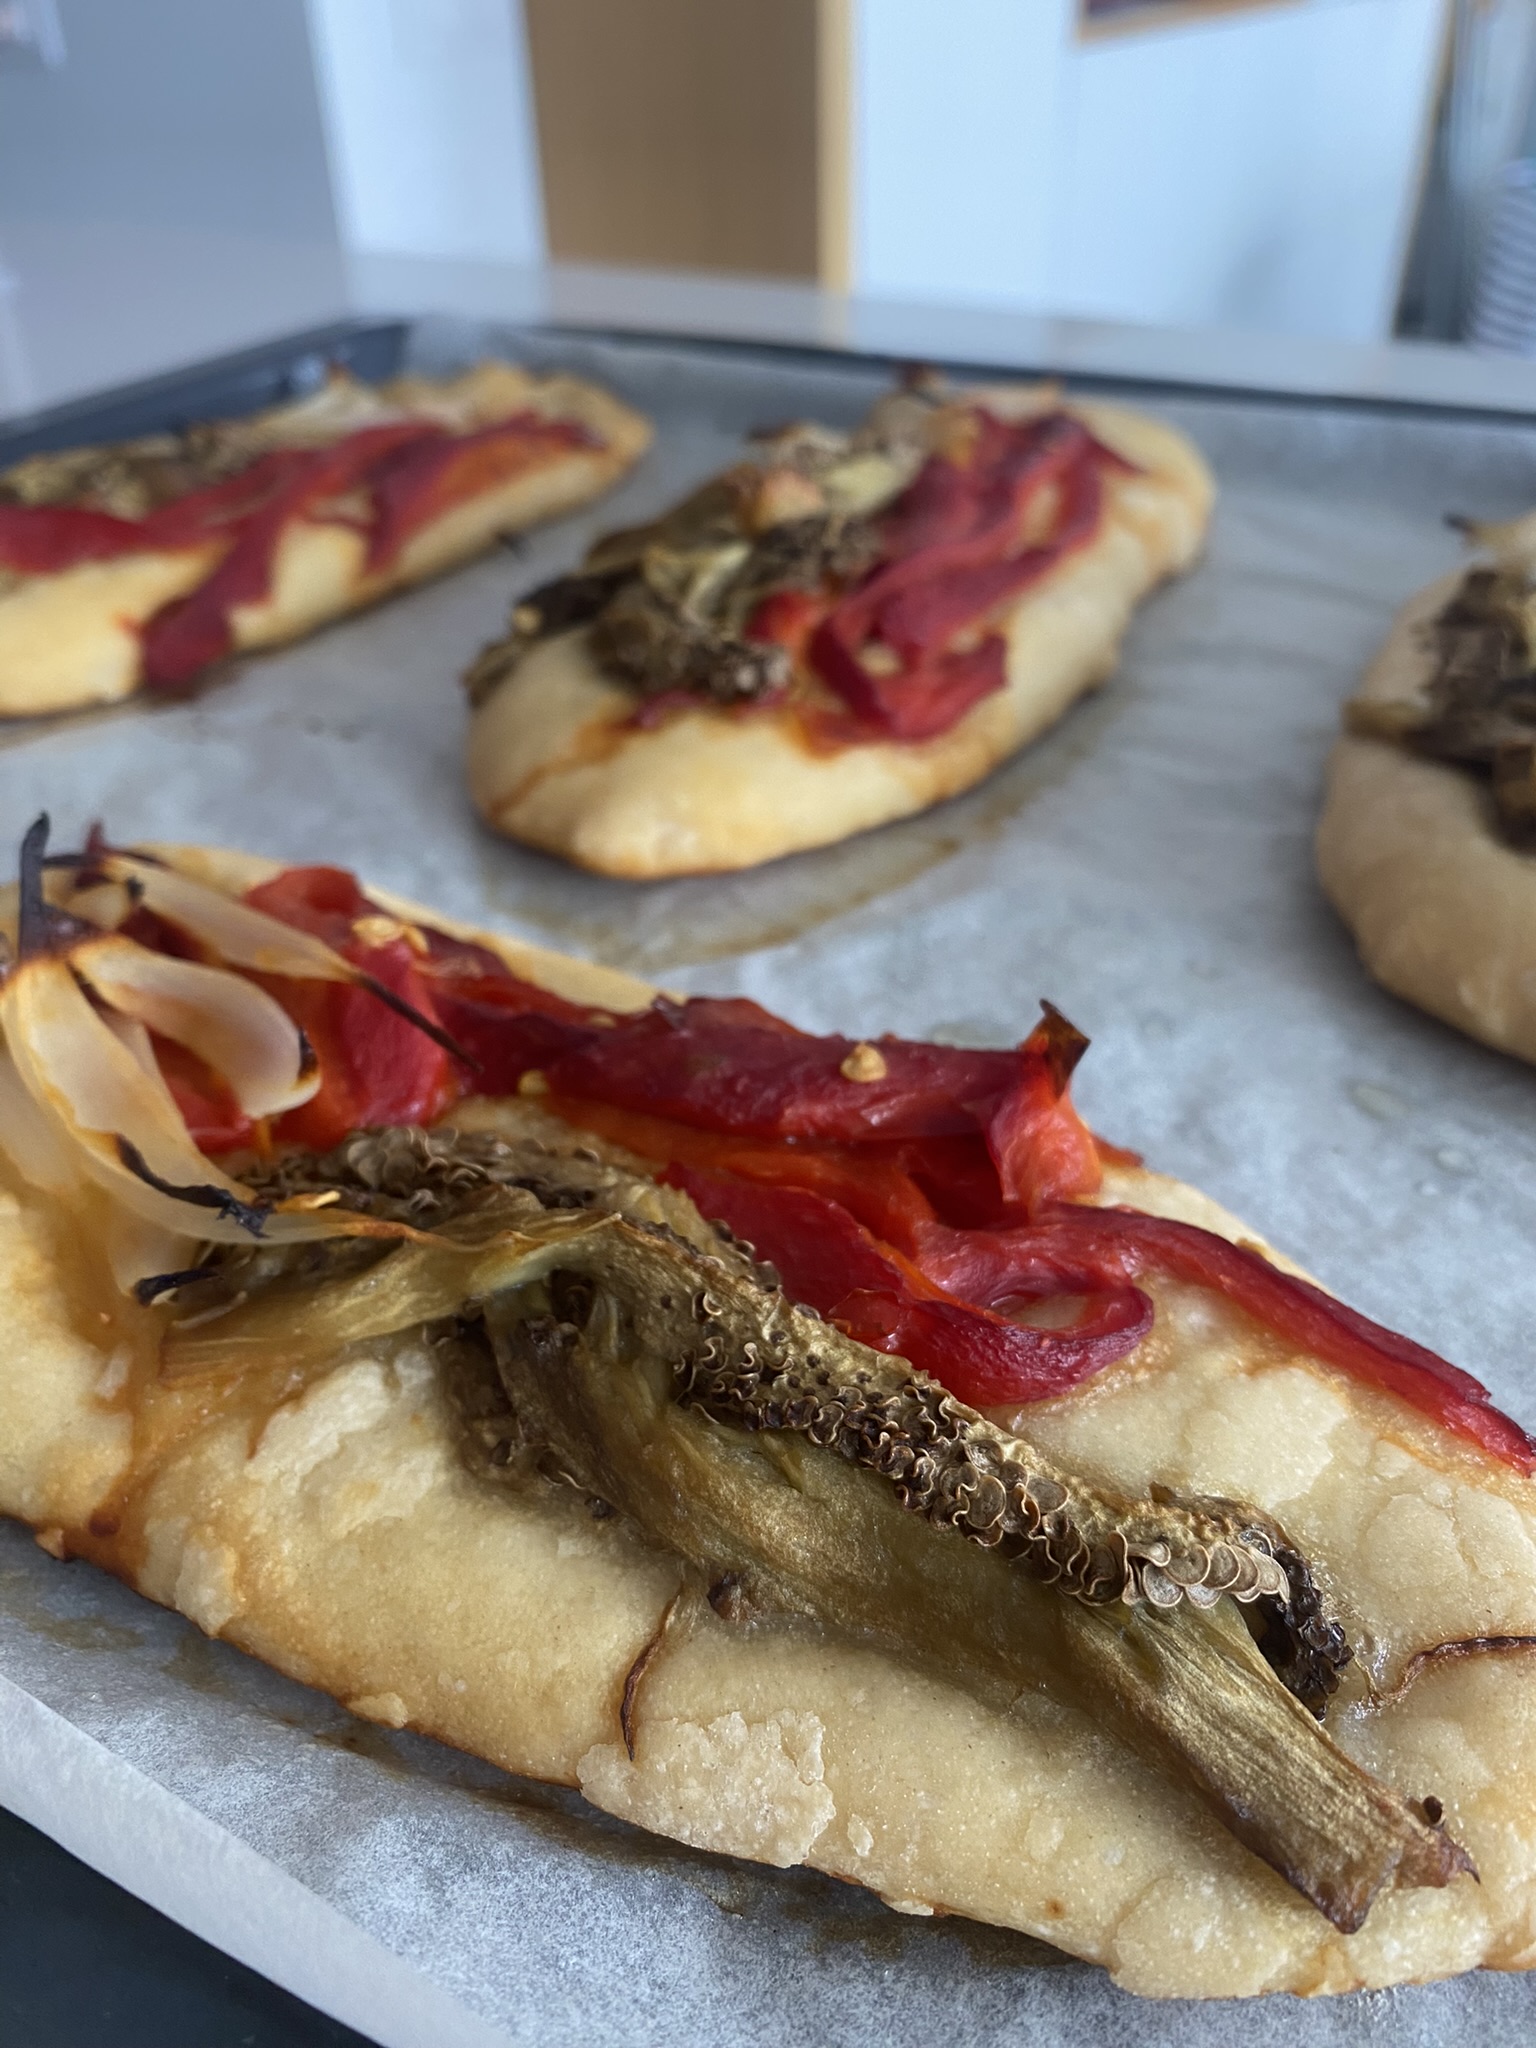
553, 759
1443, 910
73, 638
332, 1529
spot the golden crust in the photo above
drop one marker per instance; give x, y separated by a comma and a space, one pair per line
552, 761
331, 1529
73, 638
1443, 911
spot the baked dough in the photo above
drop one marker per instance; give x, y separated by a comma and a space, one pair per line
74, 638
553, 760
329, 1526
1443, 910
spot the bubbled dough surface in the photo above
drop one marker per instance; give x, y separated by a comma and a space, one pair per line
707, 791
72, 639
1443, 911
333, 1531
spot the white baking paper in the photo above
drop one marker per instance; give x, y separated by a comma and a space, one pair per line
1147, 867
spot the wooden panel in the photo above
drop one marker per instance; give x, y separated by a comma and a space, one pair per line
834, 144
680, 133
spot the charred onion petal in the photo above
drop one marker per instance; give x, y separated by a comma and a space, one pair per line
32, 916
91, 1084
40, 926
240, 1031
251, 1216
150, 1289
93, 1092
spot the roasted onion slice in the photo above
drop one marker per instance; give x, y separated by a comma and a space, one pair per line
237, 934
92, 1086
82, 1097
116, 1121
244, 1034
244, 937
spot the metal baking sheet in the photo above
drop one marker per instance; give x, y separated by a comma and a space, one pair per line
1148, 867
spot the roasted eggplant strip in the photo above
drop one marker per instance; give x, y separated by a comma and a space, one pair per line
652, 1364
670, 603
1479, 710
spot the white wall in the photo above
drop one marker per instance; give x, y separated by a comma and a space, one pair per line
192, 115
429, 124
957, 107
164, 194
1257, 169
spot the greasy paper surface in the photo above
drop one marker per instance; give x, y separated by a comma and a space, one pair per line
1148, 867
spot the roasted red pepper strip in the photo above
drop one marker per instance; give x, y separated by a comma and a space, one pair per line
1043, 1150
924, 1199
871, 1182
907, 602
956, 550
45, 539
207, 1104
412, 471
40, 540
835, 1266
914, 703
185, 636
924, 612
788, 617
376, 1067
990, 1360
1074, 1247
703, 1063
433, 473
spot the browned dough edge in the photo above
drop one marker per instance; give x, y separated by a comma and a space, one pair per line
1444, 913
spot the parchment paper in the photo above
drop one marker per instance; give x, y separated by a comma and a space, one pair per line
1147, 867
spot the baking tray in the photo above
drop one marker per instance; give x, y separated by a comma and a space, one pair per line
1147, 865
